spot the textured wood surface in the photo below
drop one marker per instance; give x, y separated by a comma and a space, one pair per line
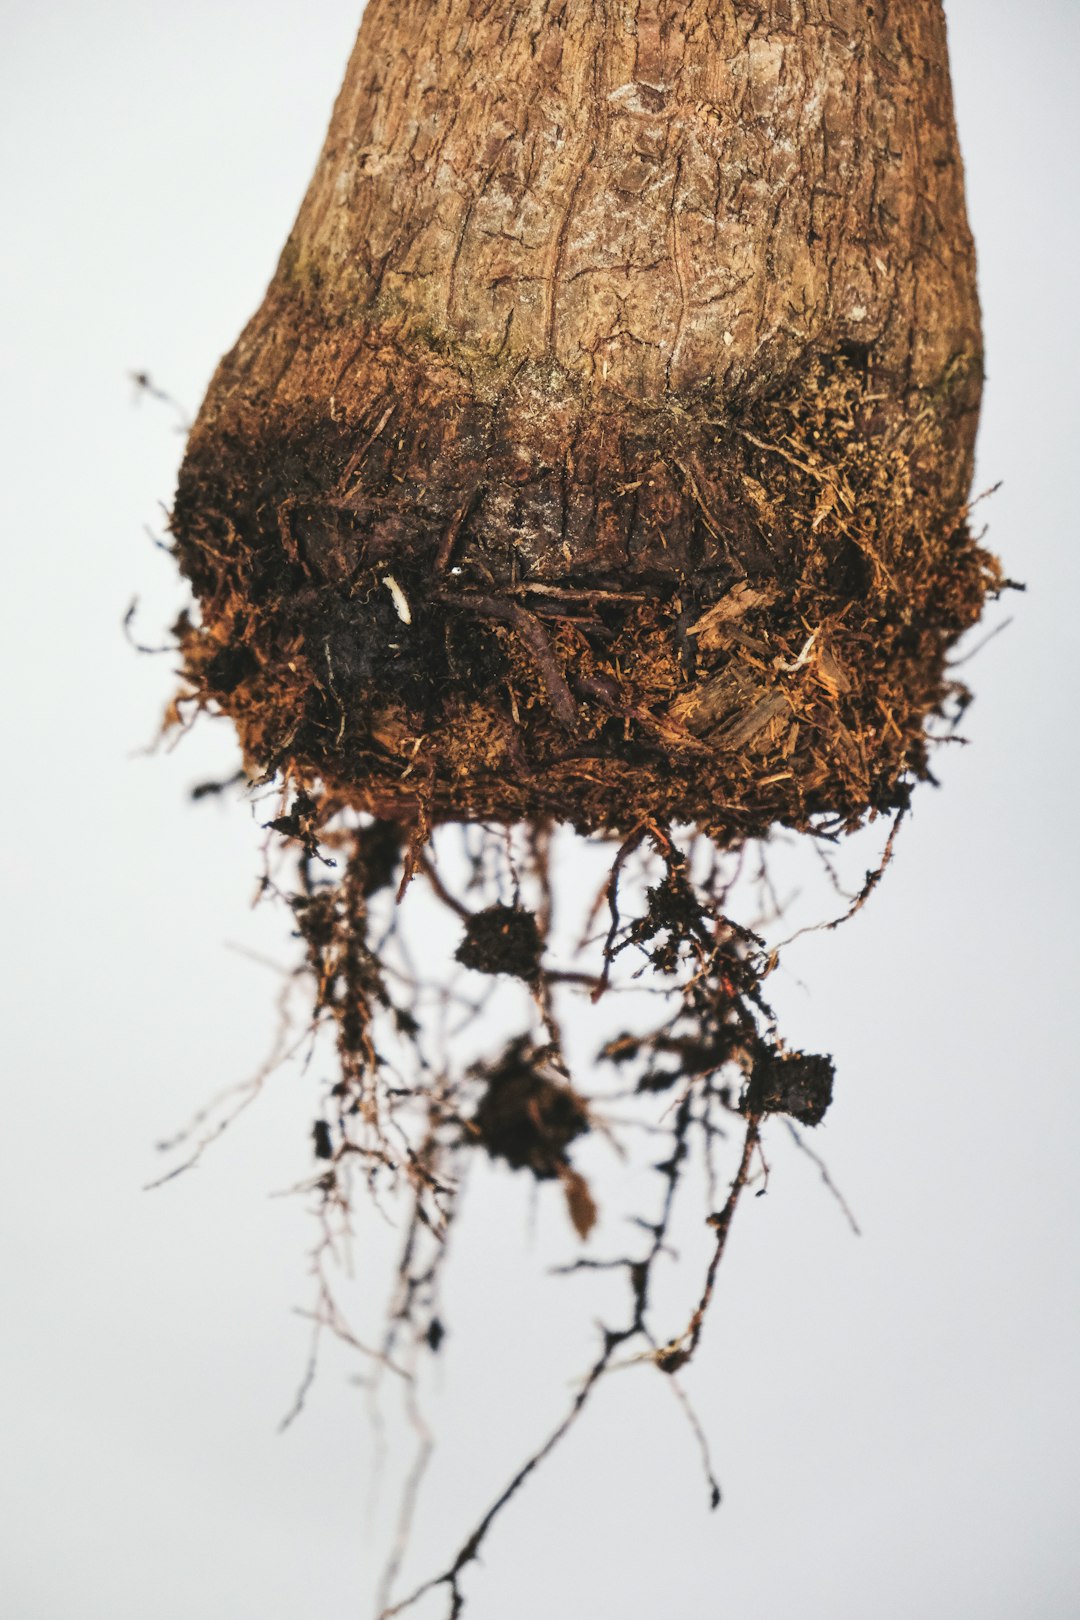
551, 238
657, 197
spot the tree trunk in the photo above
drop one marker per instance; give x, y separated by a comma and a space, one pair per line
601, 447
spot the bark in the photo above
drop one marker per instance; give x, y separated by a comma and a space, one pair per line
595, 314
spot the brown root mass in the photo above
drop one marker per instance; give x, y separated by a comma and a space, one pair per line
781, 668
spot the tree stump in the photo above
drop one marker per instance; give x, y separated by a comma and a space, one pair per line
601, 449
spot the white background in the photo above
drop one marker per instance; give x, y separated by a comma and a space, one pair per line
894, 1418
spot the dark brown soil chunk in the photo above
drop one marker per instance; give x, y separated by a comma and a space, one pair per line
795, 1083
526, 1118
502, 939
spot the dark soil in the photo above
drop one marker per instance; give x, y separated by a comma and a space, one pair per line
526, 1118
771, 657
502, 939
794, 1083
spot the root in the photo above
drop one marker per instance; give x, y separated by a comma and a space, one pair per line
416, 1101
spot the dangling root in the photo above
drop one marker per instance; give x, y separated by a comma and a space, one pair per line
416, 1098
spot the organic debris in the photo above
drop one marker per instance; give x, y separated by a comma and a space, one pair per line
737, 696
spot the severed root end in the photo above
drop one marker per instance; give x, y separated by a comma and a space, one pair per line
753, 630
